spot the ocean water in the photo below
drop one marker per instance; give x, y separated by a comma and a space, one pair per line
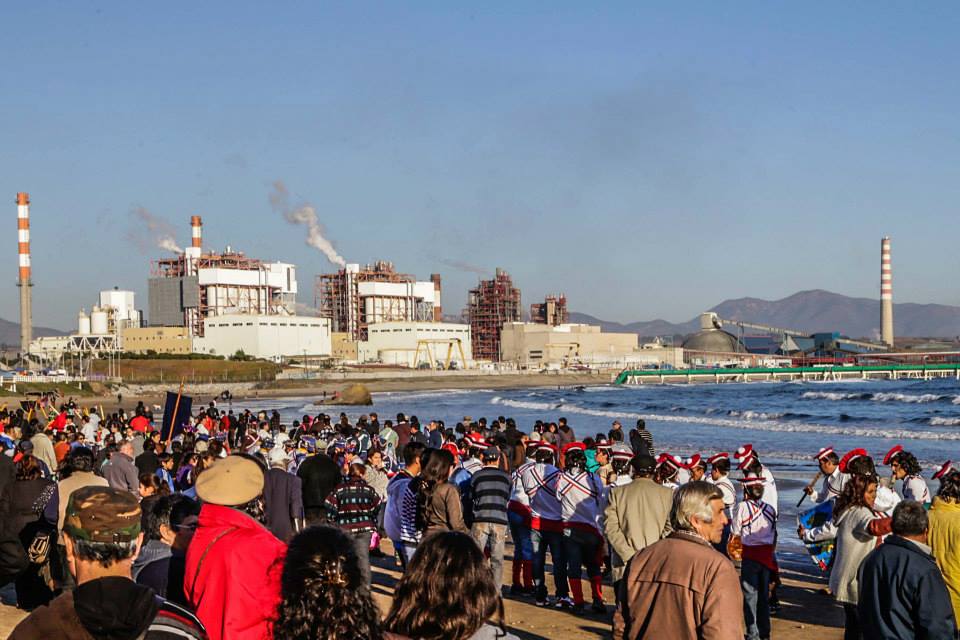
787, 422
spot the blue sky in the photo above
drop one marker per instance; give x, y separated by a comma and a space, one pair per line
648, 161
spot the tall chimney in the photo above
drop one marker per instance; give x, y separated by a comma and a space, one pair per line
24, 281
437, 308
197, 226
886, 293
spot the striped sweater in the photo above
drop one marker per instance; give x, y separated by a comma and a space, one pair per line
352, 506
490, 492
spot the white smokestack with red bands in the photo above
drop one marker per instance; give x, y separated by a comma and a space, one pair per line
886, 293
24, 281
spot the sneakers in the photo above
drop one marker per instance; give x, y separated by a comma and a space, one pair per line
564, 603
542, 602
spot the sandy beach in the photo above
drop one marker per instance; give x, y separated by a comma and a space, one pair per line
805, 614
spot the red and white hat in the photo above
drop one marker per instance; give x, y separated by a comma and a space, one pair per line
744, 456
823, 453
717, 457
543, 445
850, 457
452, 448
696, 460
475, 440
944, 470
604, 445
578, 446
887, 459
669, 461
622, 452
751, 480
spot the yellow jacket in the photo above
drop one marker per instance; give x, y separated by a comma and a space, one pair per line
944, 540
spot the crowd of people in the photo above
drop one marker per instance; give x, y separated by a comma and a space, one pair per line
241, 526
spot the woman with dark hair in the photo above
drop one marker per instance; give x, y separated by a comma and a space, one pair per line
860, 530
448, 593
152, 485
944, 535
581, 503
906, 467
27, 498
438, 501
323, 591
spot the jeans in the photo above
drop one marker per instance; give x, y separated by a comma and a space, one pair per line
755, 583
581, 548
541, 541
407, 549
400, 553
520, 534
496, 536
361, 543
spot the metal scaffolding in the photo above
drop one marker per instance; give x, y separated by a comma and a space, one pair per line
492, 304
337, 296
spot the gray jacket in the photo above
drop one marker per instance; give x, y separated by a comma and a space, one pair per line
855, 541
121, 473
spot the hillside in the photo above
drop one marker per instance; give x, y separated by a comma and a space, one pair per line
10, 332
811, 311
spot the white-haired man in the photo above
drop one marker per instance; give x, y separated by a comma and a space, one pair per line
707, 603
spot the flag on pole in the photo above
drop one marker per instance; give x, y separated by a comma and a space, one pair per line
173, 424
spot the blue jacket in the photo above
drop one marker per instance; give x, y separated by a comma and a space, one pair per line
903, 595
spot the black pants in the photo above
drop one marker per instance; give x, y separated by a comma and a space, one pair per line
851, 627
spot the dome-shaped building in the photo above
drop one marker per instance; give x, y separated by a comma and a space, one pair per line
713, 340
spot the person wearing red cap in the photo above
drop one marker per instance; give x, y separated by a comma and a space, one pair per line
720, 478
697, 467
581, 496
666, 471
905, 466
518, 516
546, 522
833, 477
754, 529
748, 461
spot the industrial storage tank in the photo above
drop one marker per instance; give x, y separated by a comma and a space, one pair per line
98, 322
83, 323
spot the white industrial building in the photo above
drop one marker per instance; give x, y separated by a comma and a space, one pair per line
186, 290
265, 336
418, 344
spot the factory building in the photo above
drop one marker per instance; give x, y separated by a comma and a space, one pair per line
186, 290
356, 297
344, 348
157, 340
272, 337
552, 311
537, 346
491, 305
418, 345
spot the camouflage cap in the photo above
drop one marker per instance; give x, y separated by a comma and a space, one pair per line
102, 514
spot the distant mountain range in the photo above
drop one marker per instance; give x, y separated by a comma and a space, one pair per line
810, 311
10, 333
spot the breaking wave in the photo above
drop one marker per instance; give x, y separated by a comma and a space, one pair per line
881, 397
945, 422
751, 425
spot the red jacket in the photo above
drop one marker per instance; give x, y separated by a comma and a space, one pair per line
237, 590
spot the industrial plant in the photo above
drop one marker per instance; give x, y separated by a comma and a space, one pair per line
218, 303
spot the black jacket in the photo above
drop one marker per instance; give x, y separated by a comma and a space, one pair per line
320, 474
903, 595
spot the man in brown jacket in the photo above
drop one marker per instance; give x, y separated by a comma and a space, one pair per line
680, 587
636, 515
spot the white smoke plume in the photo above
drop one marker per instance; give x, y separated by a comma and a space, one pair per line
460, 265
152, 230
307, 216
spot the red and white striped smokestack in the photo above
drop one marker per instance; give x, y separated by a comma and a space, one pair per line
886, 293
197, 227
24, 281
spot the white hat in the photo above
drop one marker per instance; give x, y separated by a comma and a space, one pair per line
277, 455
